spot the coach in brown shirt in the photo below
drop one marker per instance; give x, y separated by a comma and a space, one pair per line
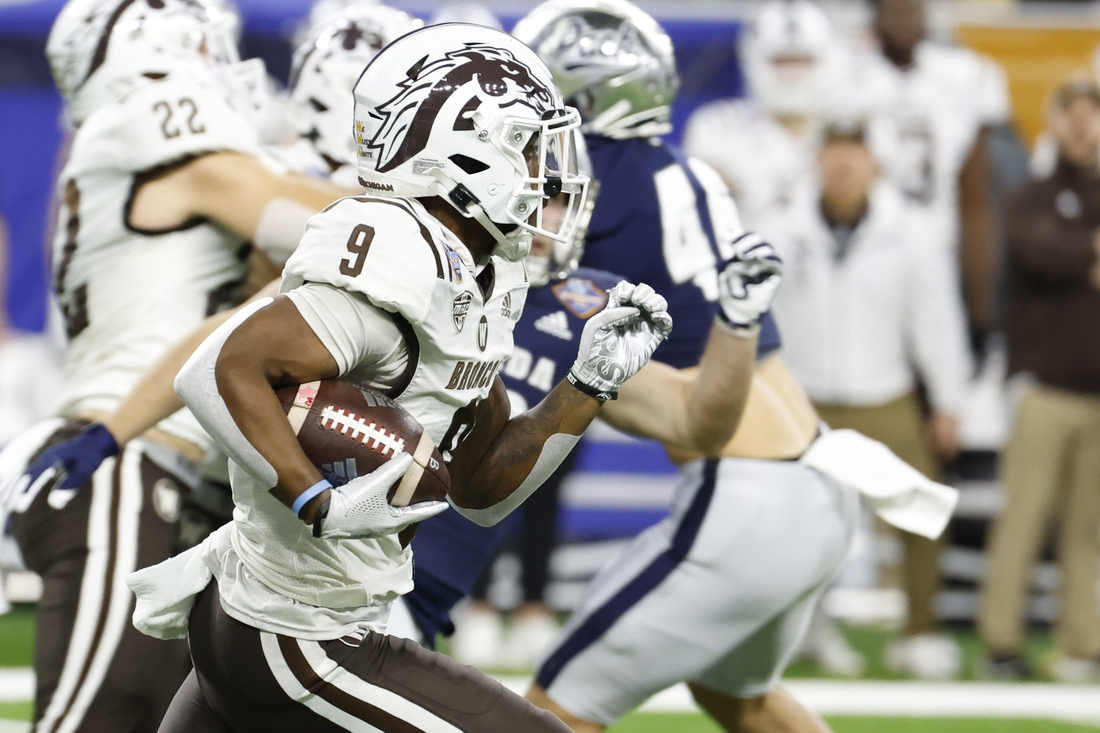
1051, 465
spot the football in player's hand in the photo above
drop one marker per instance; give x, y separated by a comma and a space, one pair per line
348, 432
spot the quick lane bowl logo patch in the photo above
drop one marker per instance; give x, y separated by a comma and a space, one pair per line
580, 296
460, 308
482, 333
456, 265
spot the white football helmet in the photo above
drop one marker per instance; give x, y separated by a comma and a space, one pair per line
327, 65
95, 43
470, 114
787, 56
609, 59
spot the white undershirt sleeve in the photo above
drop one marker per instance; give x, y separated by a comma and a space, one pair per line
361, 337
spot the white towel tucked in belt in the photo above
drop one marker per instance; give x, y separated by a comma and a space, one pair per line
896, 491
166, 591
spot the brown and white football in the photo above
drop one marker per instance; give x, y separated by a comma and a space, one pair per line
348, 432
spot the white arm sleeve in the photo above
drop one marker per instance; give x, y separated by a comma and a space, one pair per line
554, 451
197, 385
281, 226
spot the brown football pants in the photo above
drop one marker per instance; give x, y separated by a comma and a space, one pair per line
1050, 467
95, 673
900, 426
251, 681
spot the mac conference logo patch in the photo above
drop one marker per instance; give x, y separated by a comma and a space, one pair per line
460, 308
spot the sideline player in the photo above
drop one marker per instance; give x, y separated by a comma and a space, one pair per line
932, 109
693, 598
763, 145
162, 188
291, 634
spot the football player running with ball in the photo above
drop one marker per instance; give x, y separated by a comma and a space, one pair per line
162, 189
461, 137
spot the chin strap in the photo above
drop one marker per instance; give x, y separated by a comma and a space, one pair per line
467, 204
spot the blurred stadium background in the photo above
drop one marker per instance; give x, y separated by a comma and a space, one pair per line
622, 485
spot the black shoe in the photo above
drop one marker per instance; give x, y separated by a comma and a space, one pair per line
1006, 667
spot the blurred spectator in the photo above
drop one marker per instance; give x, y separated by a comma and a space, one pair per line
934, 107
1052, 461
867, 309
763, 145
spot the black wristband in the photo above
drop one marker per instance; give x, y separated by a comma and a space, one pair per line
725, 321
322, 512
591, 391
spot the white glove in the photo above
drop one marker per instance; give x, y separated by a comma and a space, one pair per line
619, 340
360, 510
748, 282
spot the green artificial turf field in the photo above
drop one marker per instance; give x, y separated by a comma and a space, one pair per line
17, 645
658, 723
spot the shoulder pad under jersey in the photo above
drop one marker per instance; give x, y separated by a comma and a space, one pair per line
160, 123
379, 247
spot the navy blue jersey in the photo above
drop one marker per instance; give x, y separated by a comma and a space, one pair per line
663, 221
450, 552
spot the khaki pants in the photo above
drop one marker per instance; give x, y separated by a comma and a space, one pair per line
900, 426
1051, 466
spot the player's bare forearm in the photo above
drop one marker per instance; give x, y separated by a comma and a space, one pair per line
273, 348
233, 189
697, 411
153, 398
500, 454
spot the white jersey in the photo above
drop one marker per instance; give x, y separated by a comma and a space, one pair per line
128, 295
362, 262
926, 119
761, 161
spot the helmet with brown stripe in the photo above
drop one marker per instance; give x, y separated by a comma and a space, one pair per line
95, 45
325, 67
471, 115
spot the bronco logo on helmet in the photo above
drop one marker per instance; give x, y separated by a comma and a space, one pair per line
428, 86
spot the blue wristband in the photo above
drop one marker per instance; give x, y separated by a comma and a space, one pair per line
305, 497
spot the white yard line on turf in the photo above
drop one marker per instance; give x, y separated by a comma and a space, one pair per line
1075, 703
16, 684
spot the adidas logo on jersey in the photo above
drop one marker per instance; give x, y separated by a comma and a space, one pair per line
555, 324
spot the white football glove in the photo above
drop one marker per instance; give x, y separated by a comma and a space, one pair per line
748, 281
360, 510
618, 341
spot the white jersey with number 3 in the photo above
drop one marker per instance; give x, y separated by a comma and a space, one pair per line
926, 119
126, 294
